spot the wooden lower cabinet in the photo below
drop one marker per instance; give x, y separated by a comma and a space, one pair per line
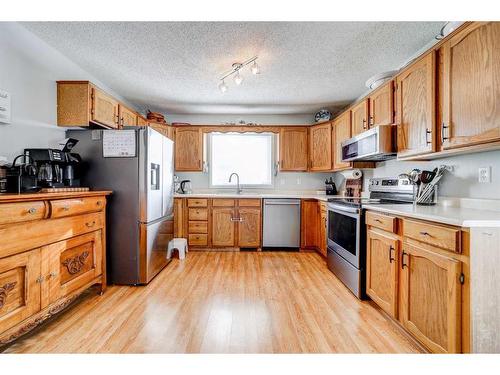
223, 227
46, 262
72, 264
382, 270
431, 298
19, 288
309, 224
323, 242
249, 227
422, 284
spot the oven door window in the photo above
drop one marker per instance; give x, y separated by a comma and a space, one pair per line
342, 230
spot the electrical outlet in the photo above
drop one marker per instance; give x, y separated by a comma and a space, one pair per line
299, 181
484, 175
282, 181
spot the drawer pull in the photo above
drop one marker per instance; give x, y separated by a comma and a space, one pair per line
32, 210
65, 208
378, 220
98, 203
90, 225
425, 234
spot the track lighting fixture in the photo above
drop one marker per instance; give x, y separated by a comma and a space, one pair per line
235, 72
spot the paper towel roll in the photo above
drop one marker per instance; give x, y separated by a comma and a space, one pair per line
353, 174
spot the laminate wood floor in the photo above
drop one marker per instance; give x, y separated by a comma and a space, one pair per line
225, 302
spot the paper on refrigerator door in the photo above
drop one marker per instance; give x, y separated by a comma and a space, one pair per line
118, 143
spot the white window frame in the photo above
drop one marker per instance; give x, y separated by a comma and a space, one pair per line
246, 186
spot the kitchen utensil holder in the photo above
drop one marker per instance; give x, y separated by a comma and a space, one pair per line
430, 197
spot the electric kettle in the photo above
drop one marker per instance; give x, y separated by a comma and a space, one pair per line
186, 187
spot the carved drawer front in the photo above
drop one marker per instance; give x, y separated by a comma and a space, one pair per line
19, 288
17, 238
222, 202
198, 227
198, 214
437, 235
21, 211
73, 263
381, 221
249, 202
76, 206
198, 239
197, 202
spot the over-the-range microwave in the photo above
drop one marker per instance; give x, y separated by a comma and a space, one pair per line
376, 144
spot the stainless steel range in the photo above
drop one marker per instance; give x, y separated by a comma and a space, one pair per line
346, 229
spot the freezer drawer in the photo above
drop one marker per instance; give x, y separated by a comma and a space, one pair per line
281, 224
153, 242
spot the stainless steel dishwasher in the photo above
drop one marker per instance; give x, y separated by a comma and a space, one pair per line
281, 227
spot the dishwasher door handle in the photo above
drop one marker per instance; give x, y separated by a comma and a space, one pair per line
281, 203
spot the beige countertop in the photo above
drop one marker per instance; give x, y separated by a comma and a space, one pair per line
260, 194
466, 217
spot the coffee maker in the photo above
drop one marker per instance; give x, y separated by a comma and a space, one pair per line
21, 176
56, 168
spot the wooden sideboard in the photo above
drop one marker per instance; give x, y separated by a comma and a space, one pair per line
52, 248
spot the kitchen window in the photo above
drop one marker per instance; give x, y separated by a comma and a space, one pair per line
250, 155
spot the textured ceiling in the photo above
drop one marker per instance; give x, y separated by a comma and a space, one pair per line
174, 66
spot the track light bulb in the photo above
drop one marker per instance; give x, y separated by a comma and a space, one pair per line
222, 86
238, 79
255, 68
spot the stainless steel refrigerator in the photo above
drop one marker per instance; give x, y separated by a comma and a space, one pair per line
137, 165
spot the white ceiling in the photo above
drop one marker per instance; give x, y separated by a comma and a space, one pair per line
174, 67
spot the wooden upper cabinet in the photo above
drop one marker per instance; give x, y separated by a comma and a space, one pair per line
416, 98
431, 298
471, 86
320, 147
249, 227
382, 259
127, 116
20, 280
223, 227
341, 132
104, 109
293, 149
188, 149
359, 117
141, 121
382, 105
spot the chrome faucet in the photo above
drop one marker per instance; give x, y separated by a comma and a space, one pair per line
238, 190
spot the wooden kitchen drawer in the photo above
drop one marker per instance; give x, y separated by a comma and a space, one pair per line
249, 202
384, 222
76, 206
22, 211
223, 202
198, 239
17, 238
433, 234
198, 214
198, 227
197, 202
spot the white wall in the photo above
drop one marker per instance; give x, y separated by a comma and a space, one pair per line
29, 69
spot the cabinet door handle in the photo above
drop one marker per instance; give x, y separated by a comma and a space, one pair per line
39, 280
403, 264
391, 249
443, 129
52, 274
427, 132
32, 210
364, 123
371, 121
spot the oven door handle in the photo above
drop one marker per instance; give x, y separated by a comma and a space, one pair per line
341, 209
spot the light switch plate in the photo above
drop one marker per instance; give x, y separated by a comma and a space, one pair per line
484, 175
5, 105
